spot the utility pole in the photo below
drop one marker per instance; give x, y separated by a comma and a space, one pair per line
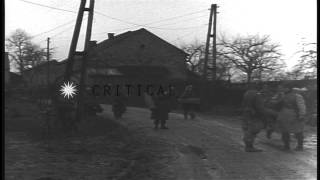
87, 47
84, 54
205, 68
74, 41
214, 43
211, 27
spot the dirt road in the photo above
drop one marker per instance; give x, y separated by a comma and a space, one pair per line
211, 148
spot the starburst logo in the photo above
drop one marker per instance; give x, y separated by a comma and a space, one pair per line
68, 90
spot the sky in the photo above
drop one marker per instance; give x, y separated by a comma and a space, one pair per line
288, 22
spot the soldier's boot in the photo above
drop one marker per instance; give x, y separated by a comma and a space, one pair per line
299, 137
286, 141
249, 148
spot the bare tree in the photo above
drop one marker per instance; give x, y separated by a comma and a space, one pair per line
307, 64
34, 56
252, 54
195, 58
23, 53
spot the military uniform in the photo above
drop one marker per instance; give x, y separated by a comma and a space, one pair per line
160, 113
188, 108
253, 117
272, 102
291, 118
119, 105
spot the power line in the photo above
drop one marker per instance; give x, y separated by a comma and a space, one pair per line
115, 30
127, 22
102, 14
145, 25
62, 5
59, 33
161, 25
184, 35
173, 29
152, 27
57, 27
51, 7
176, 17
64, 30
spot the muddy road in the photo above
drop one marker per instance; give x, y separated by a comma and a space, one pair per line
210, 147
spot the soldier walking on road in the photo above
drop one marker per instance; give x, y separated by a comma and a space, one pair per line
253, 117
273, 103
188, 107
119, 105
161, 110
291, 117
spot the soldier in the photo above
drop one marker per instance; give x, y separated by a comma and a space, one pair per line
119, 105
188, 108
253, 117
291, 117
161, 111
273, 103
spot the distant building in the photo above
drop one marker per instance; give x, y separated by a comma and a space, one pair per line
38, 76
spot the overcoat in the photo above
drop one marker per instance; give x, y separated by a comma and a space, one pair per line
292, 110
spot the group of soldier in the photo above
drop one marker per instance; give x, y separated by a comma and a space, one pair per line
282, 111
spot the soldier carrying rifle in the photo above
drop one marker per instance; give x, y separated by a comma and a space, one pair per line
253, 116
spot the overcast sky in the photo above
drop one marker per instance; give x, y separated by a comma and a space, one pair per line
288, 22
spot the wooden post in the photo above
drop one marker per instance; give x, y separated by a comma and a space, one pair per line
74, 41
203, 96
207, 45
87, 48
214, 48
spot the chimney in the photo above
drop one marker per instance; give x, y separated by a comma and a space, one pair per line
110, 35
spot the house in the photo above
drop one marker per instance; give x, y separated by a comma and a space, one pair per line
136, 55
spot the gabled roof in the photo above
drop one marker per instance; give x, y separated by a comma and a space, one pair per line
116, 39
